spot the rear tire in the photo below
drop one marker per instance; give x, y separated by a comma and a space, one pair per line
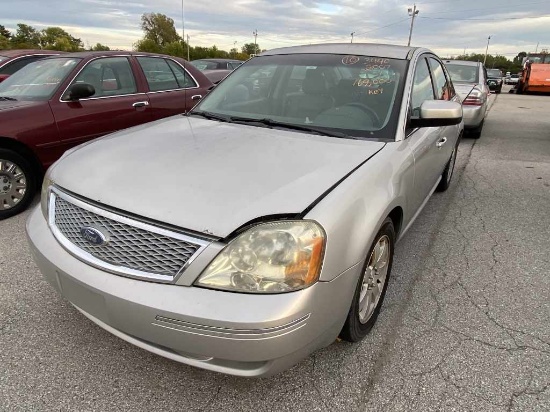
17, 183
476, 133
372, 285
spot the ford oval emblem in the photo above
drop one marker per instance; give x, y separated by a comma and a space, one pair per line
93, 236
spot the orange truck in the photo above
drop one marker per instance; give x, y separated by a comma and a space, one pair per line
535, 76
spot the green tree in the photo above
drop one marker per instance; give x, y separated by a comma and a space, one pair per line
55, 38
4, 32
25, 37
147, 45
4, 43
100, 47
251, 48
174, 49
159, 29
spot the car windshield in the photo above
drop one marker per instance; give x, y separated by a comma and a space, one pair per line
38, 80
515, 76
203, 65
494, 73
348, 96
461, 73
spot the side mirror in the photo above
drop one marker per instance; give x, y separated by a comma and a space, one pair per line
79, 91
434, 113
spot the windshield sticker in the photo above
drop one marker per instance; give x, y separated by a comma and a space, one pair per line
349, 60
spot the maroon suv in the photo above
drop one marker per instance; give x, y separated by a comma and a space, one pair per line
59, 102
14, 60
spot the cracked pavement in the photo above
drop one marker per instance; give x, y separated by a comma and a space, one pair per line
465, 325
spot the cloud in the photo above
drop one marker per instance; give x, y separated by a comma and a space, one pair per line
447, 27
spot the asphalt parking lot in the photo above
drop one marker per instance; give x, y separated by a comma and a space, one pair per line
466, 323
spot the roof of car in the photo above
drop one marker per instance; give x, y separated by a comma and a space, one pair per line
24, 52
217, 60
365, 49
85, 54
462, 62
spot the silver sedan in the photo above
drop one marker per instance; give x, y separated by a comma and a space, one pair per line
262, 225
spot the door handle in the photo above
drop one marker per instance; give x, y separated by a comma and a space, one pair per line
140, 104
196, 97
441, 142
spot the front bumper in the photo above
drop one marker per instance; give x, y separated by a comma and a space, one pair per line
239, 334
473, 115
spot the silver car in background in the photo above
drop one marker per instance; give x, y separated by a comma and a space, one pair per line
262, 225
470, 81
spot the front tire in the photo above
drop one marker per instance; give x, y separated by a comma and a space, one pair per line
447, 174
372, 285
17, 183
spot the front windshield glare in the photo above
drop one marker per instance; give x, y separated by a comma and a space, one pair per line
38, 80
355, 95
2, 58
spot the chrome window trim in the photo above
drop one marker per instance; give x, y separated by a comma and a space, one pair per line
101, 97
197, 86
100, 264
27, 55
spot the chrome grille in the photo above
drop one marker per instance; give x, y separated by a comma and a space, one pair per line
130, 249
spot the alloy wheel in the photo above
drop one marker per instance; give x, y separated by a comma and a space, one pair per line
374, 278
13, 184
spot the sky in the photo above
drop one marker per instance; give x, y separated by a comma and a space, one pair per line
448, 27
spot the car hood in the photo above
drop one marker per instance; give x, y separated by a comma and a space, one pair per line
13, 105
208, 176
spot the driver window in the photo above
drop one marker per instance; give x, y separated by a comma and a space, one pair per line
422, 87
110, 76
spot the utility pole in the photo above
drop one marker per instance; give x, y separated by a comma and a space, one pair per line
188, 48
537, 48
352, 34
486, 50
183, 31
235, 49
255, 33
413, 13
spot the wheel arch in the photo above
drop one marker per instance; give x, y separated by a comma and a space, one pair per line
26, 152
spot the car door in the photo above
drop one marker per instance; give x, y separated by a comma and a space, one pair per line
423, 142
117, 103
443, 91
172, 90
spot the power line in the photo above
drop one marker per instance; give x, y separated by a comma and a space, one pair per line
382, 27
474, 19
492, 8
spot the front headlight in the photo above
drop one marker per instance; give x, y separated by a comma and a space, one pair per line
269, 258
44, 194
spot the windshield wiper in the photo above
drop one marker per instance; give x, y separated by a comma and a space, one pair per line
11, 99
303, 128
211, 116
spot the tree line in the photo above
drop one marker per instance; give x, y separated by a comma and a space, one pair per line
50, 38
160, 36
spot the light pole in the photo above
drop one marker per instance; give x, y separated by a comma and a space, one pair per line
486, 50
188, 48
183, 31
235, 49
255, 33
413, 13
352, 34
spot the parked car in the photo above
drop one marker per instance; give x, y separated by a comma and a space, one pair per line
59, 102
514, 79
494, 80
216, 76
14, 60
258, 228
216, 64
470, 80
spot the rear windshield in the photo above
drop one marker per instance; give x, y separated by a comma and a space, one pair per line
461, 73
494, 73
203, 65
